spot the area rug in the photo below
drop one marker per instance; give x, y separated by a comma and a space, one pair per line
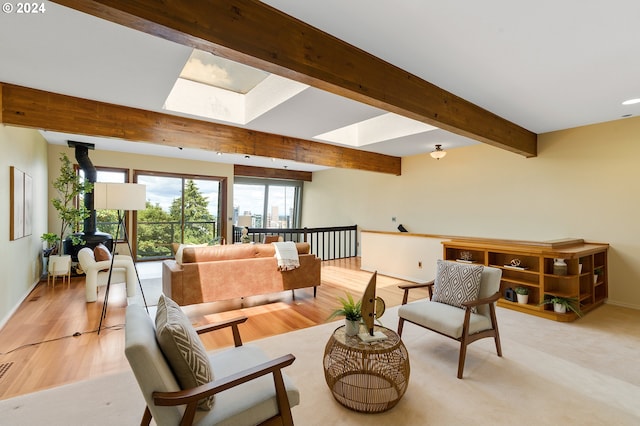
528, 385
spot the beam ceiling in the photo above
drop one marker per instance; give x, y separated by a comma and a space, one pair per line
26, 107
256, 34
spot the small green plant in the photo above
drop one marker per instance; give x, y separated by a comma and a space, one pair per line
597, 271
521, 290
570, 303
52, 243
350, 309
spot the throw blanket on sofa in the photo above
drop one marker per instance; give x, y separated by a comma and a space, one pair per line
287, 255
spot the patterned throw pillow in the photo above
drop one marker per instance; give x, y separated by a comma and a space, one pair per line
456, 283
182, 348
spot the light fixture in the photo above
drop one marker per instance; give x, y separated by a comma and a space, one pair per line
439, 152
631, 101
120, 197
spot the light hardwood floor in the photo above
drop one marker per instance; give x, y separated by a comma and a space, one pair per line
38, 348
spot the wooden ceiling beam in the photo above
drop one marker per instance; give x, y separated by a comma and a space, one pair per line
256, 34
271, 173
25, 107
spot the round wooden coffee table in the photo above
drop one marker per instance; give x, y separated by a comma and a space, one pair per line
366, 377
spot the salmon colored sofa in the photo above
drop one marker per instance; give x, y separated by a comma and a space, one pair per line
213, 273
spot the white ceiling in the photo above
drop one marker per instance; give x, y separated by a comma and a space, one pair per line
544, 65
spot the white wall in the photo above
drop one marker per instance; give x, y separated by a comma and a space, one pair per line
414, 256
583, 184
20, 260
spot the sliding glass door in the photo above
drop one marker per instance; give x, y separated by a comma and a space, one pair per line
270, 203
179, 209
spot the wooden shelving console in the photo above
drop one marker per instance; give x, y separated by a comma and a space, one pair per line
536, 270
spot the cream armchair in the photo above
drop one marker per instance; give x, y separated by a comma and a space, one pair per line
452, 310
98, 273
240, 385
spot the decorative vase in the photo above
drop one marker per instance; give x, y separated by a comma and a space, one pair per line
595, 278
351, 327
523, 298
559, 308
559, 267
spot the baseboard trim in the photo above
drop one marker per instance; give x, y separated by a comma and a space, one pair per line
622, 305
6, 319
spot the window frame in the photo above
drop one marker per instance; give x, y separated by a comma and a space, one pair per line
297, 204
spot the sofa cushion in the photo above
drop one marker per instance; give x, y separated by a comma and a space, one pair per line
233, 252
183, 349
180, 251
456, 283
101, 252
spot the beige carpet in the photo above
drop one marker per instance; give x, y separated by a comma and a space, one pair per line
551, 373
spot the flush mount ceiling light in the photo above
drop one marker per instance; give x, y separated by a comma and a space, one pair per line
439, 152
631, 101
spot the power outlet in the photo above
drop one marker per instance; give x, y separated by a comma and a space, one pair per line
393, 219
420, 264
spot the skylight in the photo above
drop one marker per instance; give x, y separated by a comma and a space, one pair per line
203, 67
213, 87
381, 128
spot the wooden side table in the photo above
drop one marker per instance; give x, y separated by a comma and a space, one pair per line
366, 377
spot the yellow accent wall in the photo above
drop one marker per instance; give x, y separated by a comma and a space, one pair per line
583, 184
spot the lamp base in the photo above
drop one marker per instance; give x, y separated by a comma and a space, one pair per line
377, 336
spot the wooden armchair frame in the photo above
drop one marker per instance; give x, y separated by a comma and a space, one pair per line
190, 397
466, 338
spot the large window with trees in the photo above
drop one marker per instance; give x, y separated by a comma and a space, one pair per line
179, 209
270, 203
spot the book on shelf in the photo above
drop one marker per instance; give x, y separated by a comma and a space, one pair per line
519, 268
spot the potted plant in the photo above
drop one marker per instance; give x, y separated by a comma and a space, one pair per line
563, 304
69, 186
523, 295
351, 311
596, 274
51, 241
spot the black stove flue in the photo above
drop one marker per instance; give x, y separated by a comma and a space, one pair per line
90, 234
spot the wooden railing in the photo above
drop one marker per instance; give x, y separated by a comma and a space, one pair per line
328, 243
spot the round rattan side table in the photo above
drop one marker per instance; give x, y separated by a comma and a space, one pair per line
366, 377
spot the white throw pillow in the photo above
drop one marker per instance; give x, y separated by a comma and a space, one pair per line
457, 283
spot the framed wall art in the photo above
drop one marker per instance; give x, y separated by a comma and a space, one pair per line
21, 202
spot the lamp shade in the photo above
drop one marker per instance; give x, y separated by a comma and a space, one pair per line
244, 221
438, 153
119, 196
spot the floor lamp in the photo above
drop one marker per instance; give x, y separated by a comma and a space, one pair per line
121, 197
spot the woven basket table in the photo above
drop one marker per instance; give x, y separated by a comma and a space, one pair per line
366, 377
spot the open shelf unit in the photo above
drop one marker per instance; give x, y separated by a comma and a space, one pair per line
534, 269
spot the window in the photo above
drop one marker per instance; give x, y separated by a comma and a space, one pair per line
269, 203
180, 209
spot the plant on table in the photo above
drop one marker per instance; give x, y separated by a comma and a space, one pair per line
352, 312
52, 243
